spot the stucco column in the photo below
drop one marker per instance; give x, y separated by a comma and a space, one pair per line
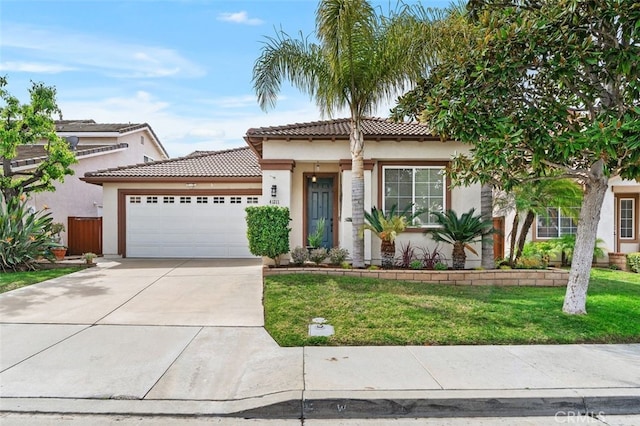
368, 196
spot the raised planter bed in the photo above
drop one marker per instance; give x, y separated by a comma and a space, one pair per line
619, 260
500, 277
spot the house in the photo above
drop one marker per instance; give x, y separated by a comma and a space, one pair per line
96, 146
194, 206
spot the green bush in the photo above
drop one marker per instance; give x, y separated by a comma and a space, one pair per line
633, 260
25, 236
268, 231
337, 255
318, 255
299, 255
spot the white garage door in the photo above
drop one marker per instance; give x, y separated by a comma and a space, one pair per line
187, 226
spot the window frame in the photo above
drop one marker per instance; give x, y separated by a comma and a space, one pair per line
561, 216
634, 219
383, 165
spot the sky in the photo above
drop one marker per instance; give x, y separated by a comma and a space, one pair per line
182, 66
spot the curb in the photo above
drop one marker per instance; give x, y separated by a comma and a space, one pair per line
342, 407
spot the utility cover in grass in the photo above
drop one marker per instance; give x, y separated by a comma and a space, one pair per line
320, 328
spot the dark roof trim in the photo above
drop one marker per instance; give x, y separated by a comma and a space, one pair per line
80, 153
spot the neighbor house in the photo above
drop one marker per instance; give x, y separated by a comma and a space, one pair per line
96, 146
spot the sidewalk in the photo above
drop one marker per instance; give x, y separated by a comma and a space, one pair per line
186, 338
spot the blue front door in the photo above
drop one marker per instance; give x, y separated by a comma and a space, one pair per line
320, 205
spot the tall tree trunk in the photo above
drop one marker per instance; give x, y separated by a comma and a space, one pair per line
575, 299
486, 210
522, 239
357, 192
512, 241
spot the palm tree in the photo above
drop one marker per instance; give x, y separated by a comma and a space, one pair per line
461, 232
387, 227
533, 198
360, 60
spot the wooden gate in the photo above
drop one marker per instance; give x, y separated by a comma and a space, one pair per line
84, 235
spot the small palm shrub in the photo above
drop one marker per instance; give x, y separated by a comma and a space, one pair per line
337, 255
25, 236
318, 255
299, 255
461, 232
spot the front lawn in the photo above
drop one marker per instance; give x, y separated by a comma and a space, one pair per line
381, 312
13, 280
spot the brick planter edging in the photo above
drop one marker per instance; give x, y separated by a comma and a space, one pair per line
500, 277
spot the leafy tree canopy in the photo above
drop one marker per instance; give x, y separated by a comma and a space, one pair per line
28, 124
544, 87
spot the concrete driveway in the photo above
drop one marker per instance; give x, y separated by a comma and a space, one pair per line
134, 329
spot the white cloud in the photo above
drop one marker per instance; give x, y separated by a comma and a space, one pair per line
78, 50
239, 18
34, 67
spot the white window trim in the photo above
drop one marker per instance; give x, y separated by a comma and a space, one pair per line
633, 218
413, 183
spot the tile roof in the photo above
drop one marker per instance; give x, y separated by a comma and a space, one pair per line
373, 128
238, 162
34, 154
87, 126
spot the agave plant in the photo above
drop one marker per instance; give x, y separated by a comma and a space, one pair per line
461, 232
387, 227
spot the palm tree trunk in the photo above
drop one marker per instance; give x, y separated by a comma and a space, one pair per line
512, 242
526, 226
458, 256
486, 210
388, 253
356, 141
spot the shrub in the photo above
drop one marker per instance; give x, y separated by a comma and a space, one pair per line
268, 231
633, 260
316, 238
407, 254
337, 255
25, 236
318, 255
416, 264
299, 255
430, 258
346, 265
534, 261
441, 266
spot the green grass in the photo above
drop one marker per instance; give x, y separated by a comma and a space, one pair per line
14, 280
381, 312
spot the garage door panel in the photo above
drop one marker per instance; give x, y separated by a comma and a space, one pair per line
171, 226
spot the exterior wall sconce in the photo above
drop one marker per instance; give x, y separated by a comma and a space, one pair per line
274, 190
314, 178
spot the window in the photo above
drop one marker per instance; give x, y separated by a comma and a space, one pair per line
168, 200
554, 223
148, 159
152, 200
627, 218
185, 200
202, 200
252, 200
235, 200
135, 200
425, 187
218, 200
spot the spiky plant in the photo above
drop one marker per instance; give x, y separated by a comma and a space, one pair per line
461, 232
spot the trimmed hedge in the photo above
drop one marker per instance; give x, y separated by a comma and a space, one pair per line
268, 231
633, 260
